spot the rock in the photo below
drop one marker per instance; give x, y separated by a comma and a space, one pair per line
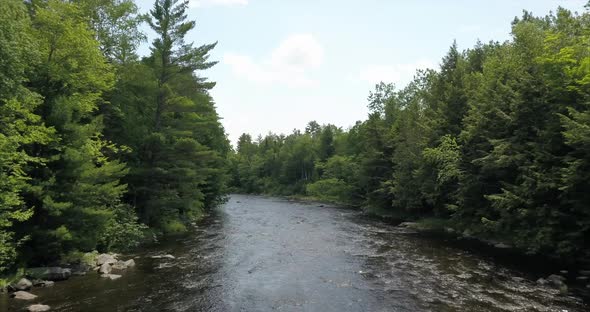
408, 224
81, 269
49, 273
542, 281
563, 272
582, 278
449, 230
584, 272
111, 276
120, 265
321, 206
130, 263
22, 284
518, 279
502, 246
556, 279
39, 283
105, 258
163, 257
105, 268
23, 295
38, 308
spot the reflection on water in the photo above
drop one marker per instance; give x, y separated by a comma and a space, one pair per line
267, 254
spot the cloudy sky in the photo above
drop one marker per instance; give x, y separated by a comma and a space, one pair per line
283, 63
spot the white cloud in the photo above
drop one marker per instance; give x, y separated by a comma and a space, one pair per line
202, 3
288, 64
396, 73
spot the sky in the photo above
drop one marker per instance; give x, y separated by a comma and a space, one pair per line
283, 63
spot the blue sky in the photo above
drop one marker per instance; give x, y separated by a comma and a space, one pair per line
284, 63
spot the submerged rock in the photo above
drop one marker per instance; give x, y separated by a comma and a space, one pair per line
23, 295
111, 276
38, 308
22, 284
39, 283
49, 273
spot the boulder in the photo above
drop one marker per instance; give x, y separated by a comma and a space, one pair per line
38, 308
23, 295
105, 258
22, 284
130, 263
49, 273
105, 268
120, 265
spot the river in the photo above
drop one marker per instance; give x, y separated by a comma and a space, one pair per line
269, 254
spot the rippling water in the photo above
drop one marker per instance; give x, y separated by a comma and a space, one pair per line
268, 254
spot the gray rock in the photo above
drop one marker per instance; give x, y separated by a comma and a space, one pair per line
517, 279
49, 273
38, 308
105, 258
408, 224
23, 295
120, 265
39, 283
502, 246
163, 257
130, 263
22, 284
542, 281
111, 276
556, 279
105, 268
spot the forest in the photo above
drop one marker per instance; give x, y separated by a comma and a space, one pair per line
101, 149
495, 143
104, 149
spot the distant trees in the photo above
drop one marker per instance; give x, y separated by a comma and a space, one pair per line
496, 141
96, 143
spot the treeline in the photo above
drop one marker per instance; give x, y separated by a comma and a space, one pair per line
496, 142
98, 146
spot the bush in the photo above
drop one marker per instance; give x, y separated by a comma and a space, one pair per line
330, 189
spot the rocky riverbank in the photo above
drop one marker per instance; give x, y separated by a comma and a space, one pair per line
110, 266
562, 280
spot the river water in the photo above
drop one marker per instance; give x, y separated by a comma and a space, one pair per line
269, 254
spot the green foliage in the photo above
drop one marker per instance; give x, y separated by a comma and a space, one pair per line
95, 143
330, 189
